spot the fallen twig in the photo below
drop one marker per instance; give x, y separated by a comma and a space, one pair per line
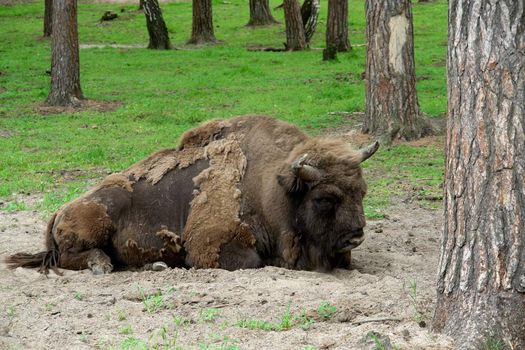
379, 319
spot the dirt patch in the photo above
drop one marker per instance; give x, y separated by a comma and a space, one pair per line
86, 105
14, 2
5, 133
113, 46
390, 291
435, 141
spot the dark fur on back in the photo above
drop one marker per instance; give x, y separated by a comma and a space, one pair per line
229, 196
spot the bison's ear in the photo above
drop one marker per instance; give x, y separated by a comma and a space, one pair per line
300, 177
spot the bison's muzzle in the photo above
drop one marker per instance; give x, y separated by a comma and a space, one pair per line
350, 241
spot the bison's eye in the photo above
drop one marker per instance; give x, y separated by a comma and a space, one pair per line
325, 204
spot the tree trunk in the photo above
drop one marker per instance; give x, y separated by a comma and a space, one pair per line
310, 13
202, 24
48, 17
158, 33
65, 66
295, 38
337, 27
481, 280
260, 14
392, 109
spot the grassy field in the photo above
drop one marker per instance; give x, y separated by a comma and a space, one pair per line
164, 93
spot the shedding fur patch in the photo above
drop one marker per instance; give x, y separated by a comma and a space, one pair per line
116, 180
172, 241
159, 164
214, 219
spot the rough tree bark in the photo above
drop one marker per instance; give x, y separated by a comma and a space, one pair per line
202, 23
336, 29
295, 37
65, 66
260, 14
157, 30
310, 13
481, 280
392, 109
48, 17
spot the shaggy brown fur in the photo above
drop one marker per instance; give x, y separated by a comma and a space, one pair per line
230, 196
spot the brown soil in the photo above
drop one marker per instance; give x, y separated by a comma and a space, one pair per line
199, 308
86, 105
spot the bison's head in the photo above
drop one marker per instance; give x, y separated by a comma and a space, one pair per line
325, 186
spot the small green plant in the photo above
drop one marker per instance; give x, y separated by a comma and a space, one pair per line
11, 312
121, 315
493, 343
257, 324
377, 341
180, 322
226, 343
125, 330
48, 307
154, 302
304, 320
163, 340
83, 337
287, 322
132, 343
78, 296
209, 314
326, 310
412, 293
286, 319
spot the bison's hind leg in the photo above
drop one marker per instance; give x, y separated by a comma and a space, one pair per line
94, 259
81, 231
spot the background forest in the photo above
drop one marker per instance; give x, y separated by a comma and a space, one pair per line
159, 94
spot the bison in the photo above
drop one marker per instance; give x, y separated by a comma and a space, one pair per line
240, 193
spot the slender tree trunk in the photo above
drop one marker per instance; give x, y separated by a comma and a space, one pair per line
337, 28
48, 17
202, 25
310, 13
65, 66
158, 33
392, 109
260, 13
295, 38
481, 280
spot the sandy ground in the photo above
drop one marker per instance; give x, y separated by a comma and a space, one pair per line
205, 309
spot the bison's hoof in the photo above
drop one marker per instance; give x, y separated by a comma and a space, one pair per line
101, 269
159, 266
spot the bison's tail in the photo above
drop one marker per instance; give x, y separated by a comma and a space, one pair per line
43, 260
49, 259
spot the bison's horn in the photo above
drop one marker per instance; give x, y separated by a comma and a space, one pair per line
368, 151
305, 171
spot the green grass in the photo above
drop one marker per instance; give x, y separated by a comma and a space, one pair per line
163, 93
325, 311
153, 302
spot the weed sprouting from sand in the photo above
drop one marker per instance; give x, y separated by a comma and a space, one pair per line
326, 310
126, 330
78, 296
412, 293
154, 302
209, 314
